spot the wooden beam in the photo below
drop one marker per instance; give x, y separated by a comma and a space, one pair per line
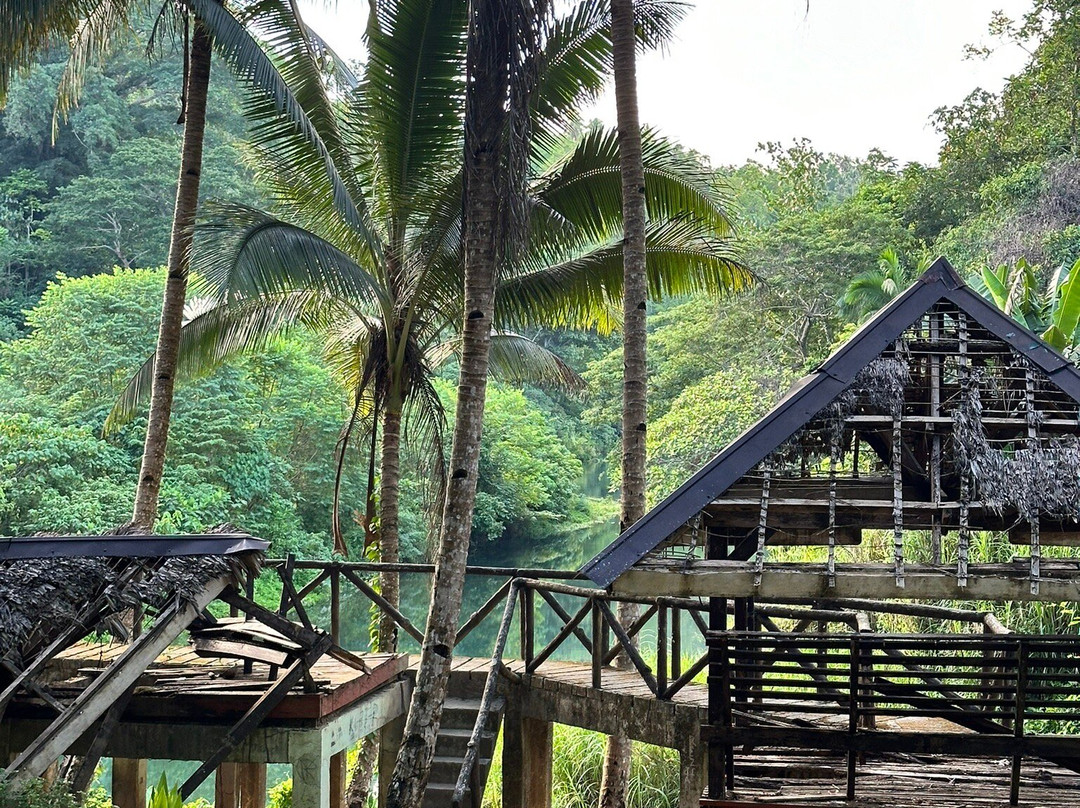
993, 582
252, 785
96, 699
227, 786
257, 713
527, 758
338, 765
85, 774
128, 783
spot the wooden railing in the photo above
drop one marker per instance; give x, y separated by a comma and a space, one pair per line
1018, 693
556, 616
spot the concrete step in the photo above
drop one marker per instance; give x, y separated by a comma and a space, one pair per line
440, 795
461, 713
446, 768
452, 742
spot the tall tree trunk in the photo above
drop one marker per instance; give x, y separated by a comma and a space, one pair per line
484, 125
389, 583
172, 306
616, 775
389, 533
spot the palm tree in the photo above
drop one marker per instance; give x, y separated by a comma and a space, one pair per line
90, 26
615, 779
871, 290
385, 299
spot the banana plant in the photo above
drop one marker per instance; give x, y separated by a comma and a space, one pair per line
1053, 313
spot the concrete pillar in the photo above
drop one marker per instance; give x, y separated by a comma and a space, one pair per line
693, 763
129, 783
227, 786
527, 750
252, 785
338, 764
389, 742
311, 771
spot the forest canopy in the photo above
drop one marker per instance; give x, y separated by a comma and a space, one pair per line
84, 222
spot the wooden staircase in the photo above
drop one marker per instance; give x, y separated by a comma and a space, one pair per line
458, 719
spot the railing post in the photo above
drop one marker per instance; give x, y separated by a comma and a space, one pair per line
597, 644
867, 713
853, 713
528, 627
249, 591
1018, 720
676, 642
335, 604
661, 650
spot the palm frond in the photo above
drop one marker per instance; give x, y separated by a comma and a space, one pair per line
585, 187
289, 105
576, 58
242, 252
683, 257
91, 41
215, 332
516, 359
414, 92
29, 27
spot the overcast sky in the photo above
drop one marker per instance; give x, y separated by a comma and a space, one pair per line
848, 74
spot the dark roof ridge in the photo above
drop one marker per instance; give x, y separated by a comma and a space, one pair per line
806, 398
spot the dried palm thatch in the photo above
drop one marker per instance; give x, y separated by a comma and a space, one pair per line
1036, 480
41, 598
878, 388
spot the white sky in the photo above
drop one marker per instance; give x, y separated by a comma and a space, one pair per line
848, 74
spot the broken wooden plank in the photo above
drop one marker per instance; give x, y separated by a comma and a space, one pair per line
257, 713
81, 714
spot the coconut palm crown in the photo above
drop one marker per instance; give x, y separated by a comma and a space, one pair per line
379, 273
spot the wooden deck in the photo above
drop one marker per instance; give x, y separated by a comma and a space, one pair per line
898, 782
183, 686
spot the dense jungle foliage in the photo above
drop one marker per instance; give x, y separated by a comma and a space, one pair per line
84, 221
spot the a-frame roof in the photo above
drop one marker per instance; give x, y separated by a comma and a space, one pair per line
816, 390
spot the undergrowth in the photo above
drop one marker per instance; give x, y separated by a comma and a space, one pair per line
577, 761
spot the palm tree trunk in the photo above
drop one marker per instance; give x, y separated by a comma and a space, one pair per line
172, 307
389, 582
616, 775
484, 124
389, 533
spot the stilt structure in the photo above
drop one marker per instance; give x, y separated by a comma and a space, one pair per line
940, 425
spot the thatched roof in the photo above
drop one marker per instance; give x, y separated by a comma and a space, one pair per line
50, 583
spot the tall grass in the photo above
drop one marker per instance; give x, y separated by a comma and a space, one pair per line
577, 761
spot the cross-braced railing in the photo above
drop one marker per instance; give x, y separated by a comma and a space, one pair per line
550, 616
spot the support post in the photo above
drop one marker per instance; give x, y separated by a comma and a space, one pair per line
527, 756
693, 763
853, 713
311, 774
338, 767
252, 785
128, 783
390, 738
716, 547
227, 786
1018, 721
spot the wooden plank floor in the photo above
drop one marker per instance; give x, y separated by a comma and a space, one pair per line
569, 677
182, 685
783, 778
899, 782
